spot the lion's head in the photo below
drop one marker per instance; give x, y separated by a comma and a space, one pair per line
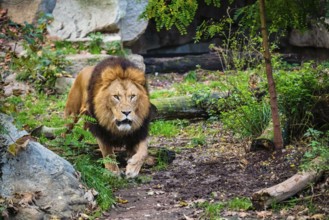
121, 102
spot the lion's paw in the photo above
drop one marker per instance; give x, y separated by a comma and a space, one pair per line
133, 168
113, 168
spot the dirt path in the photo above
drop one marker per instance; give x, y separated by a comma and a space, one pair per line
218, 171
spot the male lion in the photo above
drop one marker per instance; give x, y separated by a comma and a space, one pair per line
114, 92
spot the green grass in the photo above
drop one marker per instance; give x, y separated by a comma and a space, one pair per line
239, 204
167, 128
162, 94
212, 211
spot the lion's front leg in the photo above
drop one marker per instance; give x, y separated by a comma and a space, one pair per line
136, 161
108, 151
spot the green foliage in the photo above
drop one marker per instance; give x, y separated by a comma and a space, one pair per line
161, 94
281, 15
191, 77
94, 175
115, 48
163, 159
248, 120
40, 65
95, 45
319, 148
68, 47
299, 91
34, 34
212, 210
178, 13
166, 128
239, 204
40, 69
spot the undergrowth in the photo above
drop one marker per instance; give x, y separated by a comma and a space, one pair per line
77, 146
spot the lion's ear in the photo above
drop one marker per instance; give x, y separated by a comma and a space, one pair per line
111, 73
136, 75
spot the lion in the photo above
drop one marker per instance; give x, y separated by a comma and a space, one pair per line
115, 94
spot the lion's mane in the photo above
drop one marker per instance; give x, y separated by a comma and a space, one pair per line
102, 76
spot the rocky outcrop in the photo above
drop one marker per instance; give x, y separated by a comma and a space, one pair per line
46, 183
76, 19
27, 11
317, 36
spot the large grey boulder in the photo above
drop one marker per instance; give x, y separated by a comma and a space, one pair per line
131, 26
37, 169
75, 19
317, 36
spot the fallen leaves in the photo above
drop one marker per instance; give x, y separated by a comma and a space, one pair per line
28, 198
19, 145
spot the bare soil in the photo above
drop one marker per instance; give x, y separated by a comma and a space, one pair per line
219, 170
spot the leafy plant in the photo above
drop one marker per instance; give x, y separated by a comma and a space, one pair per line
95, 45
239, 204
248, 120
191, 77
319, 147
299, 92
41, 68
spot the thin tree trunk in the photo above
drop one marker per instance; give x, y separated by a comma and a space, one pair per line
278, 140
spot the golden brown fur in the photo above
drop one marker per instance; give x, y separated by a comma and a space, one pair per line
114, 92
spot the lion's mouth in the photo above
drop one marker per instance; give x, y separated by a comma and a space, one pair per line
124, 122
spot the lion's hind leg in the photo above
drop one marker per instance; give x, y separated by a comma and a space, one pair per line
136, 161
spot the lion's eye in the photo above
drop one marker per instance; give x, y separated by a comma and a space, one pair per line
132, 97
117, 97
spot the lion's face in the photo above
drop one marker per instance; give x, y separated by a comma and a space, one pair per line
122, 106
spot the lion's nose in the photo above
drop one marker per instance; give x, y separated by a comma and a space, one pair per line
126, 113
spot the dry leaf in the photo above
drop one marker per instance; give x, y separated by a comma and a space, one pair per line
183, 203
318, 217
28, 198
19, 145
187, 218
122, 201
264, 214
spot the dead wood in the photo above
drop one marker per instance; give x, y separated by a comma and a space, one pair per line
265, 140
265, 197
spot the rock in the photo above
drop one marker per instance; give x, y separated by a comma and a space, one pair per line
80, 61
37, 169
317, 36
21, 11
131, 27
75, 19
63, 84
13, 87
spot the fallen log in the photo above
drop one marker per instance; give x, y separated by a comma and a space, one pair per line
268, 196
265, 140
180, 107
